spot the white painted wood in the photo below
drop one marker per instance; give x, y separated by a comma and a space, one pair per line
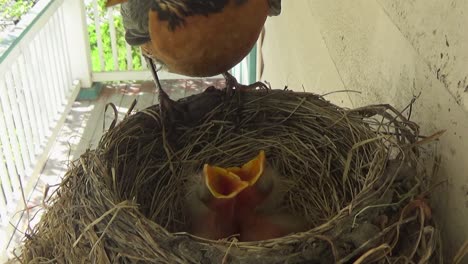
97, 24
66, 76
143, 61
6, 182
5, 192
42, 159
128, 49
6, 159
115, 55
9, 142
76, 32
56, 57
259, 61
30, 104
50, 97
37, 79
44, 10
16, 129
66, 55
47, 89
139, 75
23, 111
51, 70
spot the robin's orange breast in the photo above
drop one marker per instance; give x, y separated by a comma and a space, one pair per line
208, 45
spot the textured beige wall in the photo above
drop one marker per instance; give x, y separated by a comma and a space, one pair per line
389, 50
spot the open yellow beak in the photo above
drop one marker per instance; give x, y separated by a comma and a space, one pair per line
223, 184
251, 171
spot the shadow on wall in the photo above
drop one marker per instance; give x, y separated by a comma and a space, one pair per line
386, 52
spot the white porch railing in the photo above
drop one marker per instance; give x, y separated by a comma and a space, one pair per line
41, 72
37, 89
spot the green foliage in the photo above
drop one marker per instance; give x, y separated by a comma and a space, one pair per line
106, 41
12, 10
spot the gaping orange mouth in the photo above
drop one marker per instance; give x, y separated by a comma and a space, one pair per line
223, 184
251, 171
228, 183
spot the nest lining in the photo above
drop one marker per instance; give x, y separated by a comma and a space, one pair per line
354, 175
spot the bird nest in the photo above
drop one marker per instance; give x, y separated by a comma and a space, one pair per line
354, 175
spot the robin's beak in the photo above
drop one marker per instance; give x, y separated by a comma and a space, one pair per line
212, 207
260, 182
251, 171
222, 183
257, 206
220, 189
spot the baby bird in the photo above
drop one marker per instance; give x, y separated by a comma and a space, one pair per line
259, 178
257, 208
241, 200
212, 203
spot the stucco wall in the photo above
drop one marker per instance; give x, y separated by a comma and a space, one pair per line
389, 50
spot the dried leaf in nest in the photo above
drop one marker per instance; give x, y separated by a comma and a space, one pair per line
353, 175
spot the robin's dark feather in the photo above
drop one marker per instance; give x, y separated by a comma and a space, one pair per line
175, 11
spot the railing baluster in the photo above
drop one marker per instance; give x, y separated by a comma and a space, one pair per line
51, 69
64, 45
6, 159
36, 77
17, 131
66, 83
25, 118
143, 61
5, 192
6, 182
129, 57
9, 142
30, 99
55, 58
36, 84
115, 55
97, 24
38, 55
51, 97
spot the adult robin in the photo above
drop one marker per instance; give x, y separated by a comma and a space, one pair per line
196, 38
